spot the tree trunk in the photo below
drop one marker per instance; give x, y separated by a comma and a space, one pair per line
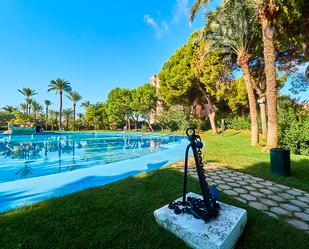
149, 124
46, 117
74, 111
262, 105
60, 111
266, 14
243, 62
212, 119
211, 112
129, 123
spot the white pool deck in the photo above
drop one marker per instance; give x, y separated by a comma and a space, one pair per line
23, 192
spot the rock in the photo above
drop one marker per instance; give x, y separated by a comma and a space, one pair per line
266, 191
290, 207
250, 188
294, 192
271, 214
240, 190
300, 203
256, 185
233, 184
256, 194
230, 192
280, 211
303, 199
220, 233
258, 205
286, 196
224, 187
299, 224
248, 197
276, 198
269, 202
302, 216
282, 186
275, 189
266, 183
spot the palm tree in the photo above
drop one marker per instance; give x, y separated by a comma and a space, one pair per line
30, 100
36, 109
59, 86
233, 28
54, 116
47, 105
266, 11
28, 93
9, 109
85, 104
74, 97
67, 113
23, 107
80, 119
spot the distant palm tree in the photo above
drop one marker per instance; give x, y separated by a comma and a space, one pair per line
54, 116
59, 86
80, 118
85, 104
28, 93
9, 109
67, 113
47, 105
23, 107
30, 100
36, 109
74, 97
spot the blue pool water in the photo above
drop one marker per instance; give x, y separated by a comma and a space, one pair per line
36, 168
23, 157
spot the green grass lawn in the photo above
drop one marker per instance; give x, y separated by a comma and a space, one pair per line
120, 215
234, 150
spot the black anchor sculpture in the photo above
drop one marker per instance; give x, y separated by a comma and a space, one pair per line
205, 209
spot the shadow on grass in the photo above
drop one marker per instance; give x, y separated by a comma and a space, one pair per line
232, 134
120, 215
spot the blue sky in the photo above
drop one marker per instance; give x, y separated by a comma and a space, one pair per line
96, 45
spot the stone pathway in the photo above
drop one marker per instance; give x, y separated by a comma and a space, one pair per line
271, 198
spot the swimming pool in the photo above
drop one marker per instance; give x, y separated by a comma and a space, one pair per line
34, 168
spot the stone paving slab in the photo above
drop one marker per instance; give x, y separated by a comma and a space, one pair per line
276, 200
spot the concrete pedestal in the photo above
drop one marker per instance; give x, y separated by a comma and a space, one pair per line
220, 233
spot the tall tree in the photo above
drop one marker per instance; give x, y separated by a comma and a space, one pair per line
28, 93
67, 113
182, 80
23, 107
60, 86
144, 101
118, 106
267, 11
36, 109
233, 27
74, 97
47, 104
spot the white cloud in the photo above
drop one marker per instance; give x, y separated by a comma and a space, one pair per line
160, 28
181, 9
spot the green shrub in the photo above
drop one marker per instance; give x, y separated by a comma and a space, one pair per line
293, 126
238, 122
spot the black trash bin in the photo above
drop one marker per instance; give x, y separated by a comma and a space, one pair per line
280, 161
